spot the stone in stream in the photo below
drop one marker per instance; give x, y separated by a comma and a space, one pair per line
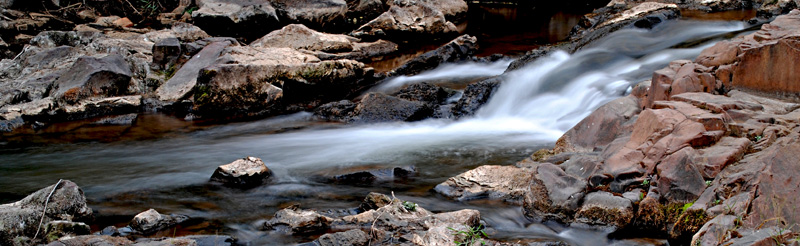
553, 194
180, 85
295, 221
353, 237
368, 175
151, 221
459, 49
605, 210
246, 172
475, 95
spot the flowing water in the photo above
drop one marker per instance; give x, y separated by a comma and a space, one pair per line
531, 109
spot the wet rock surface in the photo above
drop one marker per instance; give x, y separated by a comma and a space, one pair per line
506, 183
246, 172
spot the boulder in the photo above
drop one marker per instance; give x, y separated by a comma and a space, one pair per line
298, 36
777, 185
716, 231
374, 201
90, 76
378, 107
245, 172
424, 92
22, 218
553, 194
353, 237
180, 85
320, 14
458, 49
294, 221
336, 111
506, 183
166, 53
680, 77
475, 95
606, 210
239, 18
276, 80
151, 221
406, 20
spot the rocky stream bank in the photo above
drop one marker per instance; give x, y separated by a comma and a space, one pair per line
701, 154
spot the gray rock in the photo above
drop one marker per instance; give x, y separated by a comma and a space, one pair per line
22, 218
377, 107
553, 194
324, 14
295, 221
248, 18
475, 95
336, 111
374, 201
353, 237
245, 172
180, 85
360, 12
90, 76
456, 50
298, 36
166, 53
151, 221
424, 92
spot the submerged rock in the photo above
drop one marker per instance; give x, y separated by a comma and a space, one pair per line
475, 95
245, 172
369, 175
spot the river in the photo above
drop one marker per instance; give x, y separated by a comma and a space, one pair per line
165, 163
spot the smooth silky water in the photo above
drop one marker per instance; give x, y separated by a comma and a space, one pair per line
533, 107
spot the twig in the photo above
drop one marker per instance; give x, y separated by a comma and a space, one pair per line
44, 210
372, 228
134, 7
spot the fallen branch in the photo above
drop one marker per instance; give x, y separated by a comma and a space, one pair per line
44, 210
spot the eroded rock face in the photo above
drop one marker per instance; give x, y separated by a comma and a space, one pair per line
22, 218
245, 172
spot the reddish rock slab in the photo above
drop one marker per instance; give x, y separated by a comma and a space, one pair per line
713, 159
600, 128
679, 180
